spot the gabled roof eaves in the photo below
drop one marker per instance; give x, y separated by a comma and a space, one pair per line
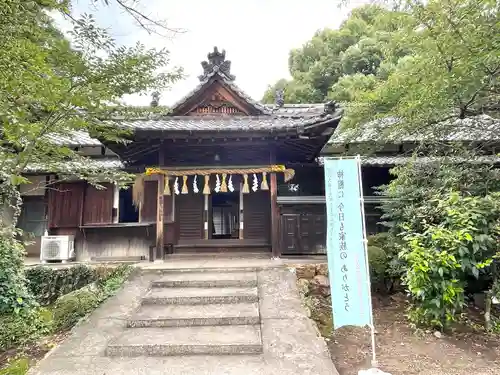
471, 129
227, 81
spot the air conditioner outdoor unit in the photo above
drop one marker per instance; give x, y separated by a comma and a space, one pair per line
57, 248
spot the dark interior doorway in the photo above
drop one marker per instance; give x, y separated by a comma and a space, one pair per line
225, 215
128, 213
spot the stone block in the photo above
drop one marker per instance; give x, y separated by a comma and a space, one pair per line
306, 271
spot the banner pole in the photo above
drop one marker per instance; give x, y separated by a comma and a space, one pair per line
374, 362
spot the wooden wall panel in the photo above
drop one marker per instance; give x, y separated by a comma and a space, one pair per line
189, 216
98, 205
148, 213
303, 229
65, 205
257, 215
115, 242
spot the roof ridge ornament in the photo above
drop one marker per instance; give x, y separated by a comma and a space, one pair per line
216, 64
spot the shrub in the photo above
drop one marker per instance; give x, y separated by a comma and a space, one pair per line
24, 327
47, 284
14, 296
18, 366
377, 259
69, 308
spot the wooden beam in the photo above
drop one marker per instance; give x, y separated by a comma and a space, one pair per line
274, 217
159, 218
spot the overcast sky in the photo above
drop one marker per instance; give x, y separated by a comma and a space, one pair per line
256, 34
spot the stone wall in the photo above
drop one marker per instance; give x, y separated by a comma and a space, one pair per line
314, 288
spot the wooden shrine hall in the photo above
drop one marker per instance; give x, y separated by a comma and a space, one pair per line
220, 172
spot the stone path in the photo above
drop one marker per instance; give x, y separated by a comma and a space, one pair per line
202, 321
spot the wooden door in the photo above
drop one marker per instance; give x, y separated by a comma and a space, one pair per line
189, 216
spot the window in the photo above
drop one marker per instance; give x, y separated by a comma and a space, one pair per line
33, 217
128, 213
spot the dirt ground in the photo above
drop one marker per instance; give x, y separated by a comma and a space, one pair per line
402, 351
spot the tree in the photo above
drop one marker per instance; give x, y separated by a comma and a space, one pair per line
359, 46
452, 73
51, 88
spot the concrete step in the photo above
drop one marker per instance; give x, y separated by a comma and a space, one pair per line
207, 280
195, 315
199, 296
212, 340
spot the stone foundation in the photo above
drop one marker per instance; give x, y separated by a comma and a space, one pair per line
314, 288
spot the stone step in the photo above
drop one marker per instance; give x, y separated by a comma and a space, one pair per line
211, 340
207, 280
195, 315
199, 296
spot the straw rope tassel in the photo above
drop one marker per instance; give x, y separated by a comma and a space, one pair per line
264, 185
184, 185
166, 190
245, 189
206, 188
223, 186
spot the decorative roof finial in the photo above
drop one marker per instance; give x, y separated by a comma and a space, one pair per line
279, 97
155, 99
216, 63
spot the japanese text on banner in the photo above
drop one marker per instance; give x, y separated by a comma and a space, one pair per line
345, 244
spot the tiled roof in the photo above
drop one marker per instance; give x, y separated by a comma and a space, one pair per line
478, 128
236, 123
76, 166
296, 109
75, 138
387, 161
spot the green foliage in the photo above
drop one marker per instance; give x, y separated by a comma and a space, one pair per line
69, 308
47, 284
359, 47
460, 40
24, 327
445, 221
377, 259
18, 366
434, 281
14, 296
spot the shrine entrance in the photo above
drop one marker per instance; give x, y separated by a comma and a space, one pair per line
225, 208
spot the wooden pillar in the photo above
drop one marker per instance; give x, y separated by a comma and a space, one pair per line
276, 251
205, 216
116, 203
241, 217
159, 218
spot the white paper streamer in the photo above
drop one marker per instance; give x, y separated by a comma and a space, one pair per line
255, 184
176, 186
195, 184
230, 186
217, 183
